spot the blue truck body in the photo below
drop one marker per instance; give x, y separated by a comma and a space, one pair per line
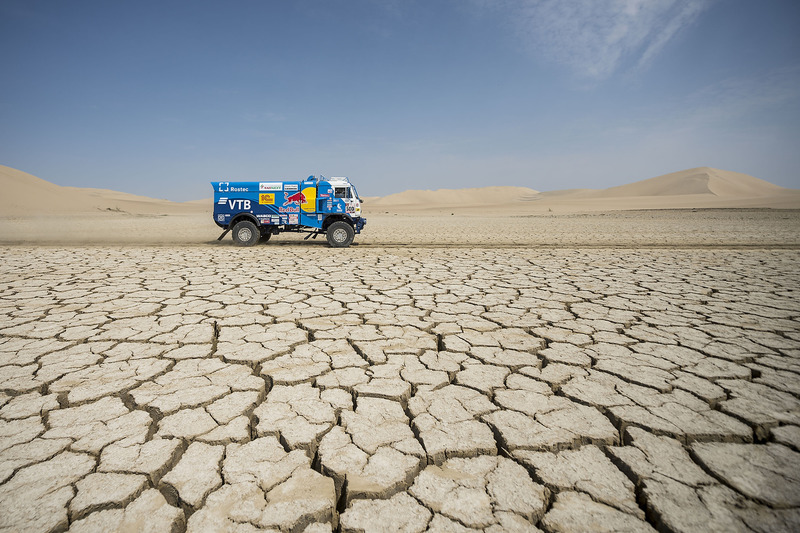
321, 205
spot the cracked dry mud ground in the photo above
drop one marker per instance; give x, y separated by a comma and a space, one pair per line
208, 389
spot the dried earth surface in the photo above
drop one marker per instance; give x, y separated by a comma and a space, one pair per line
300, 388
556, 227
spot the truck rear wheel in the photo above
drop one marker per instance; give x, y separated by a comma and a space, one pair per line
245, 233
265, 235
340, 234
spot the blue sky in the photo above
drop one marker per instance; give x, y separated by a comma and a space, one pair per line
160, 98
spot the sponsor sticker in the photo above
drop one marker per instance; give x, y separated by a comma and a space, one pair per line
290, 187
223, 200
296, 198
239, 204
266, 198
293, 219
220, 218
270, 186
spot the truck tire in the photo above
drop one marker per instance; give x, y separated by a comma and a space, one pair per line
245, 233
340, 234
265, 236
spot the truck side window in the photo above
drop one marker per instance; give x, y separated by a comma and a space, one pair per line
340, 192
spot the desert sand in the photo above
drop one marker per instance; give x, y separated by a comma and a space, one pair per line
698, 188
551, 367
25, 195
695, 207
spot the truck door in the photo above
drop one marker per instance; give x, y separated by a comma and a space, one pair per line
351, 203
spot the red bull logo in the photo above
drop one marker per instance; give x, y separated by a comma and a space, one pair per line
296, 198
306, 199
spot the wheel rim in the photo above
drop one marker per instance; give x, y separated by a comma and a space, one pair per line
339, 235
245, 234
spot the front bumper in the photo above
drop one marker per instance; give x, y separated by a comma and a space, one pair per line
359, 224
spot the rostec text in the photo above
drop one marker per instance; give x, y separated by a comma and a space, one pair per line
238, 204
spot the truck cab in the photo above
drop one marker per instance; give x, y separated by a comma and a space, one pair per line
341, 189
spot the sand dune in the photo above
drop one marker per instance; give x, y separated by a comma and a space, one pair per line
702, 187
481, 196
703, 180
27, 195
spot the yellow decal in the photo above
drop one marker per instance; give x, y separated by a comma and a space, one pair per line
310, 197
266, 199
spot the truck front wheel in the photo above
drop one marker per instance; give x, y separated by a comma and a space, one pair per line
245, 233
340, 234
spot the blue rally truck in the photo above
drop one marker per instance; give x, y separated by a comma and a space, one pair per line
256, 210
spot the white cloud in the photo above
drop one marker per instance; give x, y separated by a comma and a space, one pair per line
595, 38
